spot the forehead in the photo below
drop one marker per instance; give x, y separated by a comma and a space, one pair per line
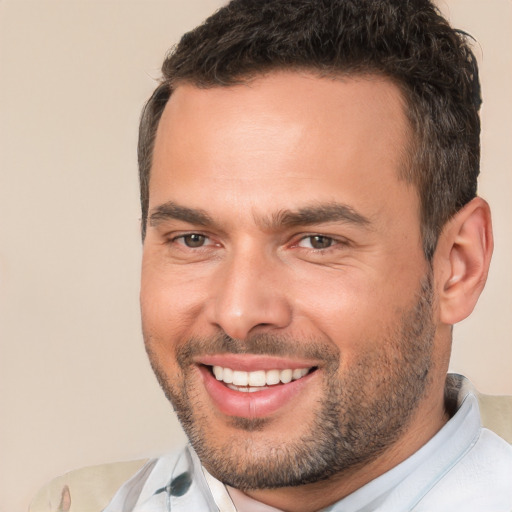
288, 135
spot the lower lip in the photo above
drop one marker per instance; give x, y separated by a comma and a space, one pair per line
258, 404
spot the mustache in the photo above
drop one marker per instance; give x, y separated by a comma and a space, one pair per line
258, 344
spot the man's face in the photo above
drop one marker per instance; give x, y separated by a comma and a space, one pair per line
286, 302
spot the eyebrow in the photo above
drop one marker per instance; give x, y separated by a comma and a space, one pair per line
306, 216
318, 214
173, 211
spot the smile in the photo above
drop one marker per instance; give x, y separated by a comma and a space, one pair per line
238, 380
254, 391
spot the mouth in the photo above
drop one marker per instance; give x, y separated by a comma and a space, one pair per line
255, 388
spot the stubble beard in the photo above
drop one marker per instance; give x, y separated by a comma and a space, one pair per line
363, 412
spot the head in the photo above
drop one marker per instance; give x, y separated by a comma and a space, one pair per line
308, 171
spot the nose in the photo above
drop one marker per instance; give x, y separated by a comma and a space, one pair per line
249, 295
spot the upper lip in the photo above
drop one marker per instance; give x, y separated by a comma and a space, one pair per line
252, 362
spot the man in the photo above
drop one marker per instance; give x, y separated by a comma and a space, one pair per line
311, 234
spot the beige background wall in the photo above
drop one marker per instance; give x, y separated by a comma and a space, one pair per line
75, 388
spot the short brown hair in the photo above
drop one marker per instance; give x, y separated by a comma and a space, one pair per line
407, 41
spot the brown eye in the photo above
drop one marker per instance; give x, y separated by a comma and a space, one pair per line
320, 242
317, 242
194, 240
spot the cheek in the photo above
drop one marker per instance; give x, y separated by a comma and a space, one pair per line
351, 309
340, 301
170, 297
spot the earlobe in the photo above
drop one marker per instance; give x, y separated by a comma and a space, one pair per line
463, 257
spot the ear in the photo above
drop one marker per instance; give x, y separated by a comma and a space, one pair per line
461, 260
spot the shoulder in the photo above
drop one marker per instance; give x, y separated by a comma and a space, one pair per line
481, 479
493, 456
90, 488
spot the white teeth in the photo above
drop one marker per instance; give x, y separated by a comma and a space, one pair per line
254, 381
297, 374
286, 376
257, 378
240, 378
244, 389
273, 377
227, 376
